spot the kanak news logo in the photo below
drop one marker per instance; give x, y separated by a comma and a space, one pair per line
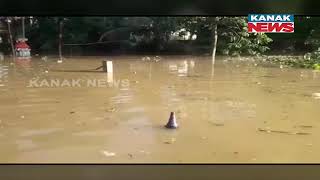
271, 23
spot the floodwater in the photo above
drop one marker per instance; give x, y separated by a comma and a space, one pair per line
234, 111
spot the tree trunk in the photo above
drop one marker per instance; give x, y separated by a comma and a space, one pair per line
60, 38
215, 40
11, 39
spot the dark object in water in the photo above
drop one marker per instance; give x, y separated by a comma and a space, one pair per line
283, 132
130, 155
75, 71
274, 131
304, 126
217, 124
104, 66
301, 133
172, 123
98, 68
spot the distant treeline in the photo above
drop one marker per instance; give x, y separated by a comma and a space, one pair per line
170, 35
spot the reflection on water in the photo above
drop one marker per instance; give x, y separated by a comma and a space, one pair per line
228, 112
3, 75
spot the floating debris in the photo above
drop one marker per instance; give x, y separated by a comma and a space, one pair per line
108, 154
22, 117
283, 132
130, 155
217, 124
44, 58
113, 109
194, 76
72, 112
274, 131
146, 58
304, 126
301, 133
170, 141
157, 58
267, 76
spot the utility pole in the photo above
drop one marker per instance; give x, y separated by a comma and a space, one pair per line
60, 38
23, 28
10, 37
215, 40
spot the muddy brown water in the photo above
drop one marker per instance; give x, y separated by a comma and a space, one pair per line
233, 111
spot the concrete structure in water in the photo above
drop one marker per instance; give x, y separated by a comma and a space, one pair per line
107, 66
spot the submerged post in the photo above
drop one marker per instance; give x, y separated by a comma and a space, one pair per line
107, 66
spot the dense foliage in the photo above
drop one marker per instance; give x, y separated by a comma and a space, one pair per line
145, 34
234, 38
167, 35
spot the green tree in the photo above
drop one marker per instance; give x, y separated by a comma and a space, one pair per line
148, 33
233, 38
